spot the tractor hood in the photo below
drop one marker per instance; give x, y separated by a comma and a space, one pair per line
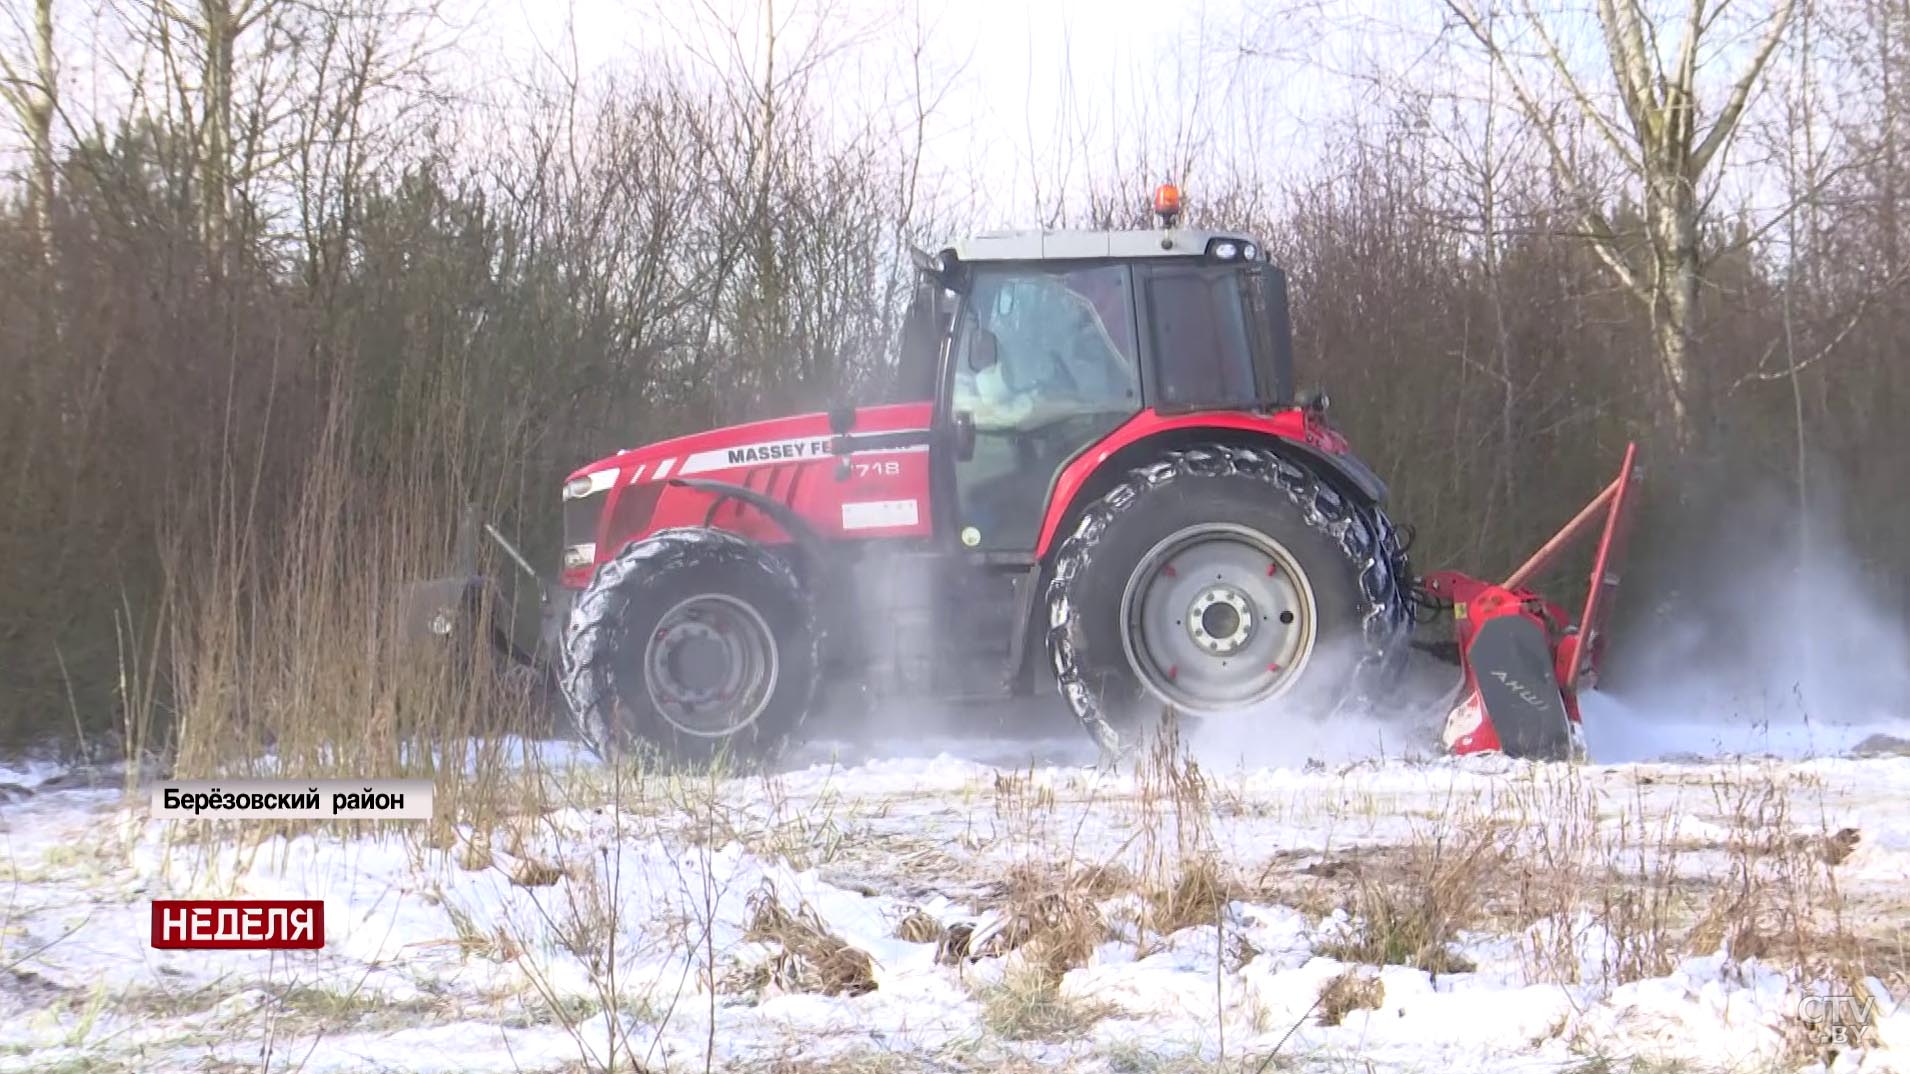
790, 439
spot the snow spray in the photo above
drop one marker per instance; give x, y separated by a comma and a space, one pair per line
1770, 644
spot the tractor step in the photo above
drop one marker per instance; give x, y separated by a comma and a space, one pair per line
931, 623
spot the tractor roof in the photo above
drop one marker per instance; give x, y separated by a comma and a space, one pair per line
1067, 245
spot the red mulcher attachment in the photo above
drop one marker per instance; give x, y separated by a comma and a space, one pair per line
1523, 660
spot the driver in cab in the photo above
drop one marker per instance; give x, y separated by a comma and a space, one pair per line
1045, 354
1041, 374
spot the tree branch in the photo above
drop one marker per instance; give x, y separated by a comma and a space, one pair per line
1850, 325
1741, 91
1606, 241
1595, 115
1625, 46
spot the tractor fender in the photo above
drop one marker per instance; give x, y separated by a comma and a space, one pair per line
1355, 477
1149, 434
798, 527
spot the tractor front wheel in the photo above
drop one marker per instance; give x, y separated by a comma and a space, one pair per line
1219, 582
695, 641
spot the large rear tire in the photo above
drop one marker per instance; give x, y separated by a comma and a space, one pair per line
1223, 582
695, 641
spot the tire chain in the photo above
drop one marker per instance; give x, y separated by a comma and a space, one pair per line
1365, 535
593, 637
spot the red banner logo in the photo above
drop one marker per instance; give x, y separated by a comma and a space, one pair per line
239, 924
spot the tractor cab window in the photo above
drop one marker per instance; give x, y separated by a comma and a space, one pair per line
1040, 345
1220, 336
1044, 364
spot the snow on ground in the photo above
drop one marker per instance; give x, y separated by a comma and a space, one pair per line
1004, 909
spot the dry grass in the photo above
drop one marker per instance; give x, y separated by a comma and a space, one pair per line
1105, 881
1779, 899
330, 1008
1633, 1065
1197, 895
1397, 927
1554, 861
85, 1064
1127, 1058
1027, 1004
302, 657
916, 926
1047, 921
1411, 916
486, 940
1184, 879
854, 1063
1052, 919
528, 873
1351, 991
812, 959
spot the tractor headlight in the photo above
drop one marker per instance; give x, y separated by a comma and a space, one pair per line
1226, 251
578, 556
1252, 253
590, 484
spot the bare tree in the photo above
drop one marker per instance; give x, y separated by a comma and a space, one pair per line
198, 43
362, 69
1882, 27
1658, 138
32, 94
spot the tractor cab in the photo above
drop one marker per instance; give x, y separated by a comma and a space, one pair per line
1055, 340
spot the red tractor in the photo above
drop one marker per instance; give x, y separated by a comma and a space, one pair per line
1107, 478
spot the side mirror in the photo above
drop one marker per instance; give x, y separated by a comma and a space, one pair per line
983, 351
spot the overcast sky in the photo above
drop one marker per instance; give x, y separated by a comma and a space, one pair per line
1018, 82
1028, 92
1024, 84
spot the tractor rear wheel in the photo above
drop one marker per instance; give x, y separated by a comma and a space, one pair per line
695, 641
1223, 581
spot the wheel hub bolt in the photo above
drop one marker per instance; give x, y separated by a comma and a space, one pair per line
1220, 620
692, 656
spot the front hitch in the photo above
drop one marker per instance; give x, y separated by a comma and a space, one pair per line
461, 606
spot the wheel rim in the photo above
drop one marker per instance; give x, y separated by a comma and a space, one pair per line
1216, 617
710, 666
